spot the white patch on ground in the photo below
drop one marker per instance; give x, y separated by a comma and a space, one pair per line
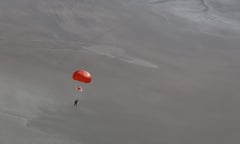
119, 54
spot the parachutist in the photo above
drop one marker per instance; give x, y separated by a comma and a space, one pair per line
76, 102
81, 76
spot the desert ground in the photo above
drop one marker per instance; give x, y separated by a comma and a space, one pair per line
164, 71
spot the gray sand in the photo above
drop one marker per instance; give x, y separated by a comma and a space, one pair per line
164, 71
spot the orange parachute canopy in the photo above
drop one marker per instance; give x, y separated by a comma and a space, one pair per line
82, 76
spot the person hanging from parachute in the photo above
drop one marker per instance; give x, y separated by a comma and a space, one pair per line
78, 88
81, 76
75, 102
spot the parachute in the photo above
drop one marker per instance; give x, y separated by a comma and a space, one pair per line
81, 76
79, 88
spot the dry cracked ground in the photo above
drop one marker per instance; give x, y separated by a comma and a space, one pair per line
164, 71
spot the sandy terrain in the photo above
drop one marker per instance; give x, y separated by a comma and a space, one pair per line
164, 71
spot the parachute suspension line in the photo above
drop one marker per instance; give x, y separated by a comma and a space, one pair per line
75, 93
